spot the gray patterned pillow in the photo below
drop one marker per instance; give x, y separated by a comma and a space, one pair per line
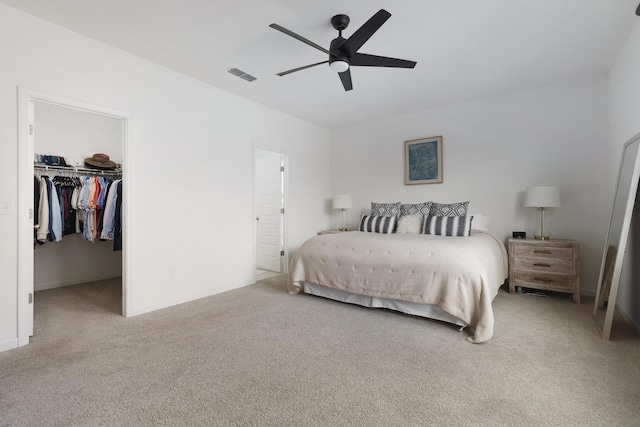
449, 209
415, 209
385, 209
447, 225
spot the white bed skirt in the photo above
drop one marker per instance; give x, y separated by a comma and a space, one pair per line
423, 310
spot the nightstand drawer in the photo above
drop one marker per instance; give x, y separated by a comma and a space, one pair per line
542, 252
531, 279
547, 265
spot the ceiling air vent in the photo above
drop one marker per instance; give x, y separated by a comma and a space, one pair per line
246, 76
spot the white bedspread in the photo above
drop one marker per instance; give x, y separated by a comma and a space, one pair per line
461, 275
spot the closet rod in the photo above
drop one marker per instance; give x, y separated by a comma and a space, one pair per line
76, 170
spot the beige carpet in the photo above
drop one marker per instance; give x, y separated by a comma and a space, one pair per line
258, 356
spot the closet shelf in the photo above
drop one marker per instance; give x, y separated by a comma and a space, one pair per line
76, 170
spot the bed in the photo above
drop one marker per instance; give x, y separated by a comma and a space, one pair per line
453, 279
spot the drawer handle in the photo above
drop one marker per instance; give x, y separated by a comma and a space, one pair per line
543, 279
541, 252
541, 264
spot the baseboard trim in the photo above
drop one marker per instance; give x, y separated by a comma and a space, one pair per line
628, 319
136, 311
53, 285
9, 344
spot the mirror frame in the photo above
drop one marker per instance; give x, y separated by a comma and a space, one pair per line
610, 273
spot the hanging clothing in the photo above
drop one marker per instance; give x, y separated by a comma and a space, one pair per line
65, 187
36, 208
49, 185
108, 228
86, 206
117, 239
43, 214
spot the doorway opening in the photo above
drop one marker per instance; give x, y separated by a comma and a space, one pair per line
270, 168
57, 118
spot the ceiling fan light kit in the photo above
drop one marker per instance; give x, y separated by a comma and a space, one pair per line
343, 53
339, 65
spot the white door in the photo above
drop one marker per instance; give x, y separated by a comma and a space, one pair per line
269, 203
28, 315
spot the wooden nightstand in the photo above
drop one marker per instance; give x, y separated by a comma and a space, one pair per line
552, 265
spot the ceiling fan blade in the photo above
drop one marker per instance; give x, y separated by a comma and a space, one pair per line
345, 78
298, 37
365, 32
284, 73
364, 60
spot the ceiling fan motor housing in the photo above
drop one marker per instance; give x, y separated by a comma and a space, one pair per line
336, 53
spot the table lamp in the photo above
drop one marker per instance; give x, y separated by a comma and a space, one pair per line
542, 197
342, 202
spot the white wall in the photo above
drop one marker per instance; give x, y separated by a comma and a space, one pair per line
76, 135
494, 149
624, 85
190, 167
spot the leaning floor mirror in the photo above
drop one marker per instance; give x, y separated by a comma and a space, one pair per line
616, 242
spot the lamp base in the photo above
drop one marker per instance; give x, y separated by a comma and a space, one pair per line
543, 237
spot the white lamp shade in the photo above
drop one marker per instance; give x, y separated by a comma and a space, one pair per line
342, 201
542, 197
339, 66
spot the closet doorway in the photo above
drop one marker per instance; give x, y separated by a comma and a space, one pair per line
55, 126
270, 213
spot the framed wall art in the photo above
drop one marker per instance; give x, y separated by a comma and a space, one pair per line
423, 161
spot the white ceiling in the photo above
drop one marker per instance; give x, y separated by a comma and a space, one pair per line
465, 49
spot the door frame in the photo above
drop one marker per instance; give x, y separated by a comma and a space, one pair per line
26, 98
285, 185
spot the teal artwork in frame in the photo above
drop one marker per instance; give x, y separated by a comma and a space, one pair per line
423, 161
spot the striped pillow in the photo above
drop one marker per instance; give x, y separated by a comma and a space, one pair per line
447, 225
377, 224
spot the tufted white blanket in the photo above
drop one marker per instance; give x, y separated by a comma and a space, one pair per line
461, 275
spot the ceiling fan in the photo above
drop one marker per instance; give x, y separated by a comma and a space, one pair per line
343, 53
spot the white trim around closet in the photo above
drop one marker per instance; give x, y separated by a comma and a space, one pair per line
26, 98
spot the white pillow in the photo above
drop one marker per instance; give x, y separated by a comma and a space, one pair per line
410, 224
480, 222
